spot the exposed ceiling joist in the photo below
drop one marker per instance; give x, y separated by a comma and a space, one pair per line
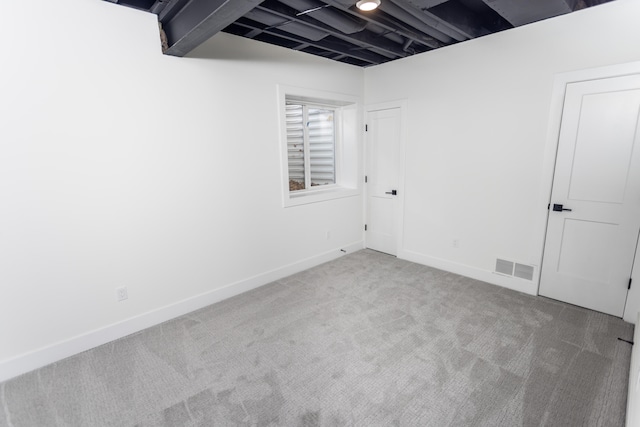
389, 24
364, 38
338, 30
327, 45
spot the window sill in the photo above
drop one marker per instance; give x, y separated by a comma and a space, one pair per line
304, 197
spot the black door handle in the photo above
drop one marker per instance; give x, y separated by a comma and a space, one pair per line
559, 208
392, 192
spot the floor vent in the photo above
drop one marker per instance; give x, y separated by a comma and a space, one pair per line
504, 267
515, 269
523, 271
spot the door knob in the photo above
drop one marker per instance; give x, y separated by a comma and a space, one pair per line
559, 208
392, 192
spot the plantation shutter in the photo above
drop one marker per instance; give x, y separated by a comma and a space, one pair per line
310, 145
295, 146
321, 130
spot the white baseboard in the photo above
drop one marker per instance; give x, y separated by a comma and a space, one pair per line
514, 283
633, 398
44, 356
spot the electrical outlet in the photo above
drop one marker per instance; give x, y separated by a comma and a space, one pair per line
455, 243
328, 235
122, 294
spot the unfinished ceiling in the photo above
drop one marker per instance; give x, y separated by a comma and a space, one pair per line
337, 30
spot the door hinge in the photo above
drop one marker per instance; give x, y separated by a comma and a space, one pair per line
365, 179
366, 128
365, 227
630, 279
549, 206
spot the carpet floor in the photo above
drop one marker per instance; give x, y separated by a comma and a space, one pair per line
365, 340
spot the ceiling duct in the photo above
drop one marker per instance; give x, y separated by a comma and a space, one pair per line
387, 22
394, 37
159, 6
425, 4
431, 20
274, 21
364, 39
419, 24
459, 17
521, 12
333, 18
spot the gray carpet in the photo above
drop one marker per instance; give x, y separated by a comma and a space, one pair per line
366, 340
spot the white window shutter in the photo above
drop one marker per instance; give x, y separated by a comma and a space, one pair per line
321, 128
310, 146
295, 146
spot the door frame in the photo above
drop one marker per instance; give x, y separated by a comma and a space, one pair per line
560, 83
402, 104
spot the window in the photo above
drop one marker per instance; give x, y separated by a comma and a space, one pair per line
311, 145
320, 134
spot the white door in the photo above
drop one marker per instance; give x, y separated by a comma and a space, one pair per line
594, 216
382, 171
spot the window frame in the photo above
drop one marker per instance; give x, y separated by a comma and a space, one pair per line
347, 123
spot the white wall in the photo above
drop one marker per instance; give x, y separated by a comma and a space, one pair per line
478, 117
123, 167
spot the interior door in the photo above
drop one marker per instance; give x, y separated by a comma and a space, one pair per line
594, 216
382, 171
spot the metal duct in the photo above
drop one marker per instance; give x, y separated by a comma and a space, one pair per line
342, 22
385, 33
296, 28
364, 39
425, 4
388, 23
419, 24
521, 12
461, 18
265, 18
433, 21
158, 6
344, 3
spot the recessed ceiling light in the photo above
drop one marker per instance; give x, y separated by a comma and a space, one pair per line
367, 5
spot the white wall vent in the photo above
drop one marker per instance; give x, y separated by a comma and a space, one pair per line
523, 271
510, 268
504, 267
